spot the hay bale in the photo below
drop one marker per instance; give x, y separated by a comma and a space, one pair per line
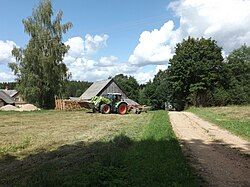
66, 104
9, 108
28, 107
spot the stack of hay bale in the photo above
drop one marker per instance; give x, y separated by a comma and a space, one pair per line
67, 104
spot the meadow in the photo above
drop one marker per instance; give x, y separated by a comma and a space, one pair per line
51, 148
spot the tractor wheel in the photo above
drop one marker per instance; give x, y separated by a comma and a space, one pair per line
105, 109
122, 109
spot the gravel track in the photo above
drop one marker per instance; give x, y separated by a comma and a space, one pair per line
219, 157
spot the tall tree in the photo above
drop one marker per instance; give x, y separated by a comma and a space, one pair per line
157, 92
238, 63
196, 69
129, 85
40, 69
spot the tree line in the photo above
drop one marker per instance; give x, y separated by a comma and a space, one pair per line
197, 75
72, 88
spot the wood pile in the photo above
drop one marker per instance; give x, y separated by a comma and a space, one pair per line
67, 104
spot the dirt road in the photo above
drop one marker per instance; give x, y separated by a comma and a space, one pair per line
215, 154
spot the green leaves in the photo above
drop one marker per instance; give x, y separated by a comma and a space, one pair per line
195, 69
238, 64
40, 69
129, 85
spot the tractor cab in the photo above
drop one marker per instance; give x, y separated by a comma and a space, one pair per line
114, 97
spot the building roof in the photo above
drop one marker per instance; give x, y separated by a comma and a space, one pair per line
6, 98
11, 93
95, 89
74, 98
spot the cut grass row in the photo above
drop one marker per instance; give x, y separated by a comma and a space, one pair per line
147, 154
235, 119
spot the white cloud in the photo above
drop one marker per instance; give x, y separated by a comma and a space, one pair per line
89, 45
144, 76
5, 52
153, 47
108, 61
226, 21
160, 67
6, 77
81, 66
76, 47
94, 43
91, 70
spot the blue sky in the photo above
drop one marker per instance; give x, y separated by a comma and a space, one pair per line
134, 37
122, 20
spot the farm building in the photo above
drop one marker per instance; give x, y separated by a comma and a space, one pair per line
14, 95
101, 88
5, 99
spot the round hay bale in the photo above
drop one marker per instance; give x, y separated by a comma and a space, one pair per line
9, 108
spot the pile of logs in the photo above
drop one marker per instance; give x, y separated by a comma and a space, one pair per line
67, 104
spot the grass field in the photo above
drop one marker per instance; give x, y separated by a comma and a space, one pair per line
48, 148
233, 118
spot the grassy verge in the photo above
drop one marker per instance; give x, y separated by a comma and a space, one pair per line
139, 154
233, 118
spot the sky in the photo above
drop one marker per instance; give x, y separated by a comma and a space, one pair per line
133, 37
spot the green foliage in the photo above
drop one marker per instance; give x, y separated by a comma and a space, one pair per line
39, 68
9, 85
146, 94
196, 69
129, 85
156, 92
75, 88
238, 63
221, 97
198, 76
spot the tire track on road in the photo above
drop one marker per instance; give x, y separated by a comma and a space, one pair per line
210, 151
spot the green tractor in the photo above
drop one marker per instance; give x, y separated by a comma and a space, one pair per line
110, 103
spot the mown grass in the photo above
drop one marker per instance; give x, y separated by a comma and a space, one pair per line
141, 153
236, 119
25, 133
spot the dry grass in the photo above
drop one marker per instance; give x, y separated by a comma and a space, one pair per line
233, 112
233, 118
58, 148
27, 133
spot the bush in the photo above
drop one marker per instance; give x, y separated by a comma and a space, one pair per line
221, 97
